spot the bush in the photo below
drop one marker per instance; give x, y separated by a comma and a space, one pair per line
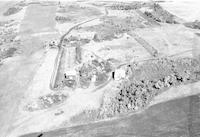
12, 10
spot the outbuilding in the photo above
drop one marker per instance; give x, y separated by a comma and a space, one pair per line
119, 74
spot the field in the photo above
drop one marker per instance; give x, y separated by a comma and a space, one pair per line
129, 65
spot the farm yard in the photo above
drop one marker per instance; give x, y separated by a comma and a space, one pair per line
68, 65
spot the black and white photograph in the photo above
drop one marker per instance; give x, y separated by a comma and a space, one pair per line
99, 68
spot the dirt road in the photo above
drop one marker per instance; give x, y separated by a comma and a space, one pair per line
60, 52
61, 49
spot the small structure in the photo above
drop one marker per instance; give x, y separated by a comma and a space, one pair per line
119, 74
70, 78
53, 44
94, 78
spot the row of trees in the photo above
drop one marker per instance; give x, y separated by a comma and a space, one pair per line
136, 94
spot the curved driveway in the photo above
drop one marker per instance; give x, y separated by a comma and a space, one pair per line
60, 46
